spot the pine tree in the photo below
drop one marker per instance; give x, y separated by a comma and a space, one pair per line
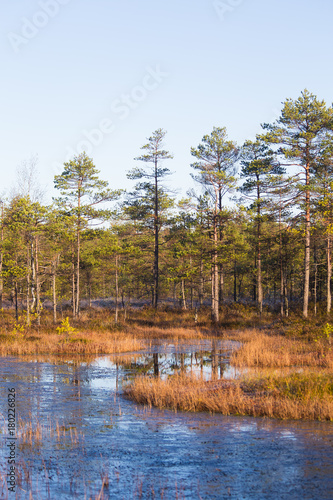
258, 168
82, 191
323, 207
216, 158
150, 198
300, 132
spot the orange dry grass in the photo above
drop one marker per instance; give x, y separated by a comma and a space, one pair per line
86, 343
87, 340
275, 351
283, 394
156, 332
187, 393
32, 433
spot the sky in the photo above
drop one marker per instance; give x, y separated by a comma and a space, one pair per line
102, 75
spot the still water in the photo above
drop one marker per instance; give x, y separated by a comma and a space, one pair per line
89, 441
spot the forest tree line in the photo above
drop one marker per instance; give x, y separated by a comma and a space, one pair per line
271, 246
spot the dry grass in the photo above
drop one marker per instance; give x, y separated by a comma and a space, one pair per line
31, 433
92, 342
263, 350
85, 343
180, 333
94, 333
187, 393
292, 379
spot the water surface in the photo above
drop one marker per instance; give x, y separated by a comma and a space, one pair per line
88, 432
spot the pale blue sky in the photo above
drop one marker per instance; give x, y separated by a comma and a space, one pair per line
66, 76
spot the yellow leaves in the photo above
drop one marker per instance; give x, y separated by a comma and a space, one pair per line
324, 334
18, 328
66, 328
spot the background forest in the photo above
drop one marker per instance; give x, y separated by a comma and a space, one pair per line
256, 230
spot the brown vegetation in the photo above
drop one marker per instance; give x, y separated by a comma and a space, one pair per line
264, 350
67, 337
267, 397
85, 343
94, 333
291, 378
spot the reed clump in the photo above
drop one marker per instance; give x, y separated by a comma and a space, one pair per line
278, 398
82, 343
265, 350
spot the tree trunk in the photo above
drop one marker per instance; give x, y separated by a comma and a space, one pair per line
220, 237
307, 244
329, 274
191, 287
281, 266
125, 311
33, 277
215, 277
54, 294
38, 301
285, 294
156, 243
315, 281
77, 306
259, 278
1, 260
221, 284
235, 281
28, 285
240, 281
281, 291
73, 283
183, 295
16, 302
117, 292
201, 283
260, 294
315, 290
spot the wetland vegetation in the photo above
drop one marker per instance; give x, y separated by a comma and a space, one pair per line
282, 369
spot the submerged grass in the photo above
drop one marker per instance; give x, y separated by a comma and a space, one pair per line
32, 433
